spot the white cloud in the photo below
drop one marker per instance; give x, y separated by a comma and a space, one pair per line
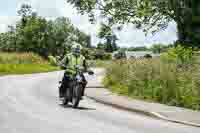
7, 20
130, 36
80, 21
165, 37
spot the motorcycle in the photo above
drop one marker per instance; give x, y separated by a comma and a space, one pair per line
73, 94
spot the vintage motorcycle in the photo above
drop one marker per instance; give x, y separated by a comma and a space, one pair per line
73, 94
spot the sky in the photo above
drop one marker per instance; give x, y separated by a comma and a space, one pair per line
128, 37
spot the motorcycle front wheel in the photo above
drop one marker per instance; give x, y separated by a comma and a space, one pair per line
66, 98
76, 95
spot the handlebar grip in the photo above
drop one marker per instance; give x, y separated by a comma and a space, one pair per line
63, 67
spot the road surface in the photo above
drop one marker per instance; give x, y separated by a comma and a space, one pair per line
29, 104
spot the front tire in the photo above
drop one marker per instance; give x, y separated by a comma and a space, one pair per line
67, 97
77, 93
65, 101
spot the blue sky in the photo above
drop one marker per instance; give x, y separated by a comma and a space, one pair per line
8, 7
129, 36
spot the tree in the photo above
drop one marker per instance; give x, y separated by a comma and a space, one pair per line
159, 48
88, 41
82, 38
12, 38
25, 11
150, 15
101, 46
114, 43
139, 48
34, 33
107, 34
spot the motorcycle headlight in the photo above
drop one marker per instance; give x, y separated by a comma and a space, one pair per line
78, 78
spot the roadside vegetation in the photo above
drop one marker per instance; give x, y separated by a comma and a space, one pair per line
46, 41
34, 33
173, 79
99, 63
24, 63
33, 44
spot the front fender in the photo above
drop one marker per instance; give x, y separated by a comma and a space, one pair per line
77, 90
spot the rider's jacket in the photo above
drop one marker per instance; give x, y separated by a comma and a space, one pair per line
70, 61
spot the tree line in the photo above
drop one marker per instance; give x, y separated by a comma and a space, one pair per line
33, 33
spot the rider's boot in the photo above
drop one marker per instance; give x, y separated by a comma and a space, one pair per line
83, 91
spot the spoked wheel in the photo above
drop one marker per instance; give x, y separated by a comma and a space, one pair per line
65, 101
66, 98
76, 95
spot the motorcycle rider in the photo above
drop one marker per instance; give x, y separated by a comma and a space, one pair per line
69, 63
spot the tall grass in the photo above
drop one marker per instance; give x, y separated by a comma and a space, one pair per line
25, 68
155, 80
21, 58
23, 63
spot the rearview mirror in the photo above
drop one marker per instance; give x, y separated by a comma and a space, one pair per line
91, 73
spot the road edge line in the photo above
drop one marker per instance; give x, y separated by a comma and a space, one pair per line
144, 112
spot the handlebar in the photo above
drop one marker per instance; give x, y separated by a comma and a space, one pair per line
78, 68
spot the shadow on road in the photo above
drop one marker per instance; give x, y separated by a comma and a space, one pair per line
78, 108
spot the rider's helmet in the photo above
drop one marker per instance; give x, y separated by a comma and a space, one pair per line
76, 49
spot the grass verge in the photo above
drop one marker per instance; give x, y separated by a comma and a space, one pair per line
24, 63
6, 69
154, 80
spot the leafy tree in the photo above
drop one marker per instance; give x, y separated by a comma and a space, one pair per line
151, 15
139, 48
61, 35
107, 34
25, 11
34, 33
82, 38
88, 41
157, 48
101, 46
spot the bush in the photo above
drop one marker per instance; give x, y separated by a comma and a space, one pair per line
96, 54
148, 56
154, 80
107, 56
179, 54
87, 53
120, 55
52, 60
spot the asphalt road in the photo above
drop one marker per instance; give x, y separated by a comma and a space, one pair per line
29, 104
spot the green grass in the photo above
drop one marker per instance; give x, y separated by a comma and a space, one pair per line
24, 63
154, 80
6, 69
